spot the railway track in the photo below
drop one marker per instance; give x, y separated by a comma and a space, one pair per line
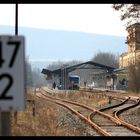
103, 123
125, 129
99, 130
117, 114
86, 107
116, 110
119, 95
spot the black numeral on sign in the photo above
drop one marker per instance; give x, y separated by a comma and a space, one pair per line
17, 44
4, 92
8, 77
1, 59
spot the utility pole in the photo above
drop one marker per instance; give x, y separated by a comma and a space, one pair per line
5, 124
0, 124
16, 33
16, 19
62, 77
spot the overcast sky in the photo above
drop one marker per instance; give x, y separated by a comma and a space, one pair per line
91, 18
64, 32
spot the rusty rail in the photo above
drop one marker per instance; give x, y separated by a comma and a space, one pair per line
130, 126
87, 107
95, 126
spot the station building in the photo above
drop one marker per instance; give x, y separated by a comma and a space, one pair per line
133, 41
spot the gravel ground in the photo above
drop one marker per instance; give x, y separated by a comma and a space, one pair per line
74, 126
132, 116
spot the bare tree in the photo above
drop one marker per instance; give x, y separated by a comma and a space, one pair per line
38, 78
129, 12
59, 64
28, 73
106, 58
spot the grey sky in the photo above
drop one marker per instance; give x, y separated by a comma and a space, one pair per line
66, 31
91, 18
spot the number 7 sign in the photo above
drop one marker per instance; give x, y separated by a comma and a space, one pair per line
12, 73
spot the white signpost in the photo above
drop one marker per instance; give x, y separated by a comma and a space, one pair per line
12, 73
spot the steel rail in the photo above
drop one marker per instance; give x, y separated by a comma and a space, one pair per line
95, 126
87, 107
136, 129
114, 106
130, 126
109, 91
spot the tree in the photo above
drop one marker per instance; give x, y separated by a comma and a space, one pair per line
38, 79
106, 58
59, 64
55, 65
129, 12
28, 73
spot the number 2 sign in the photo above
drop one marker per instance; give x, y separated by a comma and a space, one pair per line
12, 65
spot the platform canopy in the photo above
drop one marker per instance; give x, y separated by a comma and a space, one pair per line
121, 70
85, 65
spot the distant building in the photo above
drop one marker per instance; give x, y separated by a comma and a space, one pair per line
133, 41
